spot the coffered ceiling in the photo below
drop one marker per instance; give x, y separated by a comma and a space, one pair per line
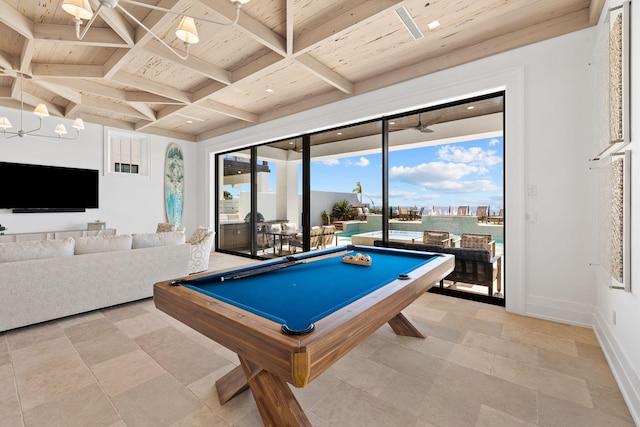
281, 57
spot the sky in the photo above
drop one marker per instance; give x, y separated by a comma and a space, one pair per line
458, 174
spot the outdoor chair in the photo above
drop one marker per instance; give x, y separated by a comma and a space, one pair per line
432, 237
482, 212
463, 210
328, 233
316, 240
478, 241
499, 219
403, 213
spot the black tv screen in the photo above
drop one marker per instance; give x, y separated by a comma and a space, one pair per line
33, 188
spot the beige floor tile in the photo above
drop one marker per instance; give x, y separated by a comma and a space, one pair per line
125, 311
509, 349
4, 350
408, 361
51, 380
79, 318
473, 358
29, 335
465, 323
90, 330
203, 417
458, 393
183, 358
587, 369
41, 353
349, 406
555, 412
141, 324
544, 380
363, 374
538, 339
129, 370
161, 401
609, 400
9, 404
87, 406
490, 417
105, 347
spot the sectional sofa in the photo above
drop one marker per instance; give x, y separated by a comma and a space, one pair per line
42, 280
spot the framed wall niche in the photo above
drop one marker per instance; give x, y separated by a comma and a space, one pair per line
126, 154
619, 48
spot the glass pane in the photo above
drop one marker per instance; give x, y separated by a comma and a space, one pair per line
234, 201
346, 182
278, 196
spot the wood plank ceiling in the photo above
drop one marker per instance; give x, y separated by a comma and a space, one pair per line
283, 56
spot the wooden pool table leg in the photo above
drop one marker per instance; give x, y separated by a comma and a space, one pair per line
403, 326
231, 384
276, 403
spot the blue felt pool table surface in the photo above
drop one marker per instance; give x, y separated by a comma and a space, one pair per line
316, 285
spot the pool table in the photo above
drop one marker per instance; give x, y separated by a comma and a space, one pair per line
290, 319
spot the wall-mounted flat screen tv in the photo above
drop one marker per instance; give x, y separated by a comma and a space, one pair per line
39, 188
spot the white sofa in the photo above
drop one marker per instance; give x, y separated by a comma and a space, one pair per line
49, 279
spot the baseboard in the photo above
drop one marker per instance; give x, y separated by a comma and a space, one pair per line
628, 380
560, 311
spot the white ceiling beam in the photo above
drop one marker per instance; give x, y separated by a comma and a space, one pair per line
60, 90
229, 111
289, 26
70, 71
325, 73
205, 68
151, 98
28, 48
251, 27
118, 23
359, 16
66, 34
112, 107
595, 10
144, 109
152, 87
90, 87
15, 20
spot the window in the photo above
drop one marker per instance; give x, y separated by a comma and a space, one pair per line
126, 154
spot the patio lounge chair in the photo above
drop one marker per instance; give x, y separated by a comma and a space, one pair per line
482, 213
432, 237
463, 210
328, 233
499, 219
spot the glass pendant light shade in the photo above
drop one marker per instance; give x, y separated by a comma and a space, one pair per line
187, 31
79, 9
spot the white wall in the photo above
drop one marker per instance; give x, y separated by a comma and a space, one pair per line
621, 340
131, 205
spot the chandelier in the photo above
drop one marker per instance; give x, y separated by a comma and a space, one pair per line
186, 31
40, 111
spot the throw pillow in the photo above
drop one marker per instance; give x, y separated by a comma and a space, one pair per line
164, 227
150, 240
36, 249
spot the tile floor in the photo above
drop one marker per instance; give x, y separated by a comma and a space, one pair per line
132, 365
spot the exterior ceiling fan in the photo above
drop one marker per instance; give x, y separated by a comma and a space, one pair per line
424, 128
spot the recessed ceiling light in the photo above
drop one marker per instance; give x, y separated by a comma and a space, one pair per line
433, 25
339, 133
392, 123
470, 107
189, 122
269, 90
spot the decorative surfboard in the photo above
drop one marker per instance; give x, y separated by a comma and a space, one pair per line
174, 184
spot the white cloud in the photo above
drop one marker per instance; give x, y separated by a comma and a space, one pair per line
362, 162
461, 186
471, 155
433, 172
494, 141
330, 162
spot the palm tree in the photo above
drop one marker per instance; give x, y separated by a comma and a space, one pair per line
358, 190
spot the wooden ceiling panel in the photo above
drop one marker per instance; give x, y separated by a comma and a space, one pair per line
316, 52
